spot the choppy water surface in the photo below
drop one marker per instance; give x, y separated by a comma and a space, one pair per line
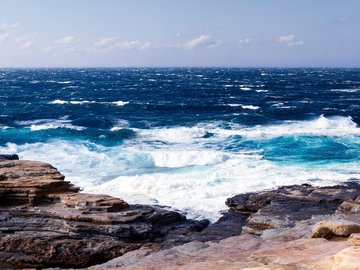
185, 137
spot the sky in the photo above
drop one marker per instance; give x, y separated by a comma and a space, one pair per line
171, 33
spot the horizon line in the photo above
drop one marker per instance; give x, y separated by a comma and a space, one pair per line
180, 67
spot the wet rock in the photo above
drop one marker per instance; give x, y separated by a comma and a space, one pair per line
9, 157
228, 225
286, 206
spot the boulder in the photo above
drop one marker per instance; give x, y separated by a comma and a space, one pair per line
329, 228
355, 239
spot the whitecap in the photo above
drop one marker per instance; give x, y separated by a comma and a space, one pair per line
277, 104
81, 102
120, 103
64, 82
173, 135
346, 90
76, 102
250, 107
120, 124
44, 124
322, 126
59, 101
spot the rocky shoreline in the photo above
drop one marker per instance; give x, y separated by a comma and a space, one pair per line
45, 222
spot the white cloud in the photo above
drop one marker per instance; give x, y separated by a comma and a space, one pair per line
6, 32
48, 49
127, 45
215, 44
114, 43
290, 40
66, 40
105, 41
3, 36
245, 41
343, 19
145, 46
194, 43
24, 42
5, 26
178, 34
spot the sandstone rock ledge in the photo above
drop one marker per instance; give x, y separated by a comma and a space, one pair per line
294, 227
46, 222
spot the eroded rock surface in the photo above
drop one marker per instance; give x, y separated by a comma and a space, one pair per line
328, 229
45, 221
279, 231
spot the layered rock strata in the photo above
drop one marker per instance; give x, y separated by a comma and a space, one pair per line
290, 228
45, 221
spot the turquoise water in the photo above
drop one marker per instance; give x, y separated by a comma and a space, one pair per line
185, 137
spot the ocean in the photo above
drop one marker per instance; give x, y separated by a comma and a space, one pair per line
185, 137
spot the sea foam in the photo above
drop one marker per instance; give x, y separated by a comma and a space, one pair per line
190, 171
43, 124
80, 102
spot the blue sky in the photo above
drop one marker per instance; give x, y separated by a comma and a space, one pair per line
244, 33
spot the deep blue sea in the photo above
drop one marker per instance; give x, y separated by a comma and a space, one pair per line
185, 137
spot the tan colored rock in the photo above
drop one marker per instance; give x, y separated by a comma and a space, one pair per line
328, 229
30, 182
347, 259
94, 202
239, 252
44, 221
349, 207
355, 239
